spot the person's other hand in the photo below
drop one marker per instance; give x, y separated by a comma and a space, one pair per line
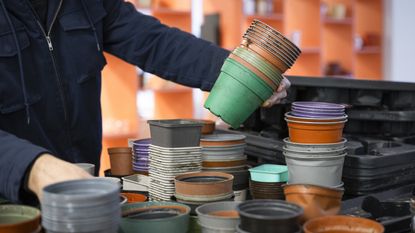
48, 169
279, 95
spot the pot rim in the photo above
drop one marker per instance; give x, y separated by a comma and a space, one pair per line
312, 189
287, 140
316, 158
288, 115
228, 177
153, 204
295, 210
334, 218
316, 123
284, 148
31, 219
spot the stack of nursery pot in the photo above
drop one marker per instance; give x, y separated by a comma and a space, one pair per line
226, 153
218, 217
251, 73
267, 180
344, 224
269, 216
174, 150
147, 217
91, 205
141, 150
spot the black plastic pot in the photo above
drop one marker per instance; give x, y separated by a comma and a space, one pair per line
269, 216
175, 133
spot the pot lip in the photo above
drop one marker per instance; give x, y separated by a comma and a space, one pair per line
294, 209
34, 218
333, 219
284, 169
287, 140
317, 122
284, 148
175, 123
153, 204
228, 177
316, 158
208, 215
288, 115
119, 150
326, 105
312, 189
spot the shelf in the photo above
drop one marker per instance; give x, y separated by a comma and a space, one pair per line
369, 50
271, 17
332, 21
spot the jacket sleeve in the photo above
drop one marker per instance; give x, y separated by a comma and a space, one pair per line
167, 52
17, 156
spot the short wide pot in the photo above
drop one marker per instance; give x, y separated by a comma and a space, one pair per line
344, 224
315, 132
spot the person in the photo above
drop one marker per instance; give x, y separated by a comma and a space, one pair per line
51, 57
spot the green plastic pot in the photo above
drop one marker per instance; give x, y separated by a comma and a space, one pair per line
261, 64
232, 101
174, 224
248, 78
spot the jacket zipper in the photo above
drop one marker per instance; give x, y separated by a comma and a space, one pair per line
52, 55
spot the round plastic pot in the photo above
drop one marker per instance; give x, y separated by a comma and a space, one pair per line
315, 132
267, 55
220, 216
316, 200
121, 161
248, 78
289, 116
318, 105
232, 101
222, 140
155, 217
313, 154
344, 224
325, 171
269, 216
314, 147
204, 184
19, 219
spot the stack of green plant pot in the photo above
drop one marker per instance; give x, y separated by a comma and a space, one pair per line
251, 73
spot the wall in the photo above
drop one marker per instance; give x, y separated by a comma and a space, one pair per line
399, 40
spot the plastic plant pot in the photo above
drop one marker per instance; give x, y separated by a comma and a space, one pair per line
222, 140
313, 154
267, 190
175, 133
344, 224
316, 200
325, 171
232, 101
134, 197
315, 132
269, 216
204, 184
219, 216
289, 116
318, 105
19, 219
147, 217
267, 55
269, 173
314, 147
248, 78
121, 160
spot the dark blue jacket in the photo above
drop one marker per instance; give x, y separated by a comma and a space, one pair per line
50, 80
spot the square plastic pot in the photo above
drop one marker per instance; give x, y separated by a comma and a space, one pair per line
175, 133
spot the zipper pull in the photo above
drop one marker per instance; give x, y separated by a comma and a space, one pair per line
49, 43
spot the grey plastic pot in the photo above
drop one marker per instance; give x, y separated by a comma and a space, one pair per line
313, 154
316, 147
218, 216
325, 171
175, 133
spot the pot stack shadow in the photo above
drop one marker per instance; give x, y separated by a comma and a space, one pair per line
314, 154
174, 150
251, 73
226, 153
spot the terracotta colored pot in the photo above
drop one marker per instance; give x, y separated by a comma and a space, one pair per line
204, 184
342, 224
254, 70
315, 132
306, 119
224, 164
208, 126
121, 161
19, 219
268, 56
316, 200
134, 197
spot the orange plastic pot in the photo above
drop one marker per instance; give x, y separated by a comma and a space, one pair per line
342, 224
315, 132
134, 197
203, 184
266, 55
307, 119
316, 201
121, 161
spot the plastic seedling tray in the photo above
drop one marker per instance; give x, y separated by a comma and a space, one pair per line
175, 133
269, 173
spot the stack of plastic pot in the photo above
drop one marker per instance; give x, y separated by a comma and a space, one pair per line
315, 150
267, 180
174, 150
91, 205
140, 155
226, 153
251, 73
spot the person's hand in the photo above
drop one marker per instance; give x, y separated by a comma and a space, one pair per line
280, 94
48, 169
